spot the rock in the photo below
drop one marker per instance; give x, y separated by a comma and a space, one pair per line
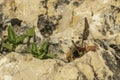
16, 21
117, 39
63, 21
91, 66
47, 24
21, 48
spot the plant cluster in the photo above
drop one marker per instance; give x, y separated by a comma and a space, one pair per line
12, 41
40, 52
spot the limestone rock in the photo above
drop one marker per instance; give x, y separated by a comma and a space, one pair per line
91, 66
64, 21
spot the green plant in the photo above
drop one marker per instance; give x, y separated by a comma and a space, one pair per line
30, 33
42, 52
12, 40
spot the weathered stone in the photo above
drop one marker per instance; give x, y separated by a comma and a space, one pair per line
64, 21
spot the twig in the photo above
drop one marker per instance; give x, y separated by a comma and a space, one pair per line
76, 47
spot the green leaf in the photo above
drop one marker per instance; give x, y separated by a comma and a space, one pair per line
33, 49
44, 47
11, 34
30, 32
34, 46
20, 39
42, 55
8, 46
49, 55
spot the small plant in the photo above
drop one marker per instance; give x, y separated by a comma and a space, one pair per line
12, 40
42, 52
78, 51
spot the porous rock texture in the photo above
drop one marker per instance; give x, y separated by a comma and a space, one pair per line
62, 21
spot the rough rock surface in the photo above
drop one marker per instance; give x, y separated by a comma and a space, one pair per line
18, 67
62, 21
